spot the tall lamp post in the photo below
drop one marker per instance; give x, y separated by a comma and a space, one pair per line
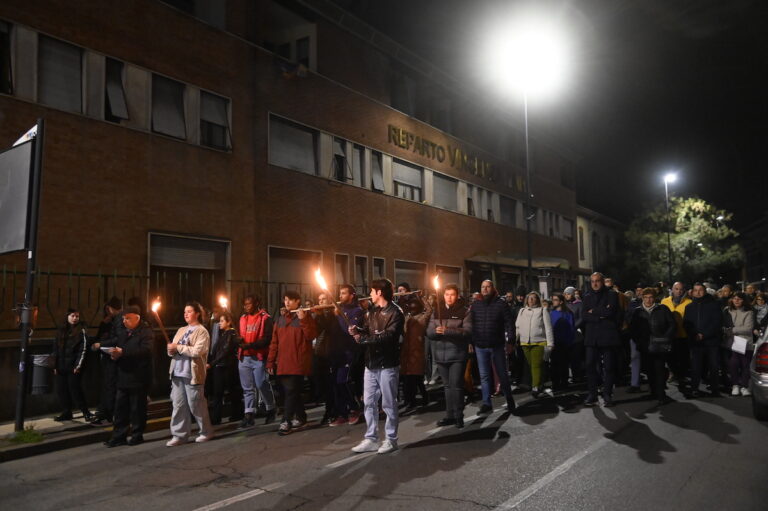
670, 177
529, 57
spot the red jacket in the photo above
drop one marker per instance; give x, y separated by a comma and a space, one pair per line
256, 331
291, 348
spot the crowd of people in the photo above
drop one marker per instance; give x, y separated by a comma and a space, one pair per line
358, 355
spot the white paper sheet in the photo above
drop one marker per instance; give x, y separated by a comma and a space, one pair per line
739, 344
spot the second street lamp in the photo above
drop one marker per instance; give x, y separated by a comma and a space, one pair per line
670, 177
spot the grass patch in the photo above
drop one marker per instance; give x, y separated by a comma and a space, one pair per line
28, 436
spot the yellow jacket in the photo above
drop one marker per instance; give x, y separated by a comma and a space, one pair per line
678, 311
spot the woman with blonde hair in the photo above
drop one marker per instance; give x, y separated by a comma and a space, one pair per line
533, 329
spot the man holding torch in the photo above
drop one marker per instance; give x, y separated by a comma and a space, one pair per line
380, 336
256, 331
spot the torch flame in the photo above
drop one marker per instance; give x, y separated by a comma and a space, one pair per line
320, 280
155, 306
436, 282
223, 302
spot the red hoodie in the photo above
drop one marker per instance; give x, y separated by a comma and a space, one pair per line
256, 331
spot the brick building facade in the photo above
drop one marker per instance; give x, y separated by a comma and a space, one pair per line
224, 147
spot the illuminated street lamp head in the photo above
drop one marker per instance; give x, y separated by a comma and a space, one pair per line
670, 177
529, 57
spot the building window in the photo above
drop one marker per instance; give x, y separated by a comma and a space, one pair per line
214, 121
403, 96
581, 243
60, 75
358, 161
595, 249
361, 274
567, 232
342, 267
408, 180
168, 107
378, 268
444, 192
186, 269
415, 274
115, 108
489, 206
508, 207
341, 170
470, 200
6, 81
292, 146
551, 226
291, 269
302, 51
377, 172
449, 275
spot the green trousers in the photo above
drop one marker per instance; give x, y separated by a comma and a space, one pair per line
534, 354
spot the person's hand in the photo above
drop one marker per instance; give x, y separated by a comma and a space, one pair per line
699, 337
509, 348
173, 348
271, 371
116, 353
301, 314
547, 353
352, 330
55, 372
95, 345
76, 371
471, 348
440, 330
207, 366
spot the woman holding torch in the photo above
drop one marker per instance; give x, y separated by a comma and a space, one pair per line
189, 355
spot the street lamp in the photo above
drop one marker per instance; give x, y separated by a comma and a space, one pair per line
529, 58
670, 177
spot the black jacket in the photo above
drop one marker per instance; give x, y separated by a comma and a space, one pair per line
134, 367
704, 316
453, 345
381, 335
492, 322
224, 354
70, 347
644, 327
602, 318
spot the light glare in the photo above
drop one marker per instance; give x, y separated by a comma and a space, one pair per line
670, 178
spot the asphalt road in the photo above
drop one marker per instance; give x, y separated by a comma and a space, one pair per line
708, 453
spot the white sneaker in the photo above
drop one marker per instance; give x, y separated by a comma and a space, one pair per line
735, 390
366, 446
388, 446
175, 441
203, 438
548, 391
745, 391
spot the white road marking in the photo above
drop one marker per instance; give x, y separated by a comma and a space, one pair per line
554, 474
239, 498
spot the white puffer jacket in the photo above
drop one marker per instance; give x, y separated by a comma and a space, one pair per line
534, 326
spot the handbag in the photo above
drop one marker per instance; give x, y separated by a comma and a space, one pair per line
659, 345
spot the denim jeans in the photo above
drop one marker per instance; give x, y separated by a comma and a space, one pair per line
381, 383
498, 357
253, 378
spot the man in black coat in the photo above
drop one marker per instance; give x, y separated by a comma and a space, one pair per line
703, 322
132, 351
602, 320
493, 335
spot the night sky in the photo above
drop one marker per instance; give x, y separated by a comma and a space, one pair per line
657, 85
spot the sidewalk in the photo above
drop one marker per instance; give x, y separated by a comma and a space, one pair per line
73, 433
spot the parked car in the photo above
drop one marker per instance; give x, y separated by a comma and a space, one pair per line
758, 370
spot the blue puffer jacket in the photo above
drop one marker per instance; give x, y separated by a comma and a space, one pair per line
492, 323
704, 316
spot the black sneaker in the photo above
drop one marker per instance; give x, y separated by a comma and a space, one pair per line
633, 389
484, 409
66, 416
114, 442
608, 402
459, 422
247, 421
271, 415
590, 401
136, 440
446, 421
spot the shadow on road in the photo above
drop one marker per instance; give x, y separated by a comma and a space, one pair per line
625, 430
376, 477
689, 416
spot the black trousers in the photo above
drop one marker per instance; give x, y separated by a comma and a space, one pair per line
699, 353
596, 354
655, 368
70, 390
294, 406
680, 360
414, 384
220, 380
452, 375
130, 409
563, 358
106, 408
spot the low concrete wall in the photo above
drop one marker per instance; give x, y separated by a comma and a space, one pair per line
49, 403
